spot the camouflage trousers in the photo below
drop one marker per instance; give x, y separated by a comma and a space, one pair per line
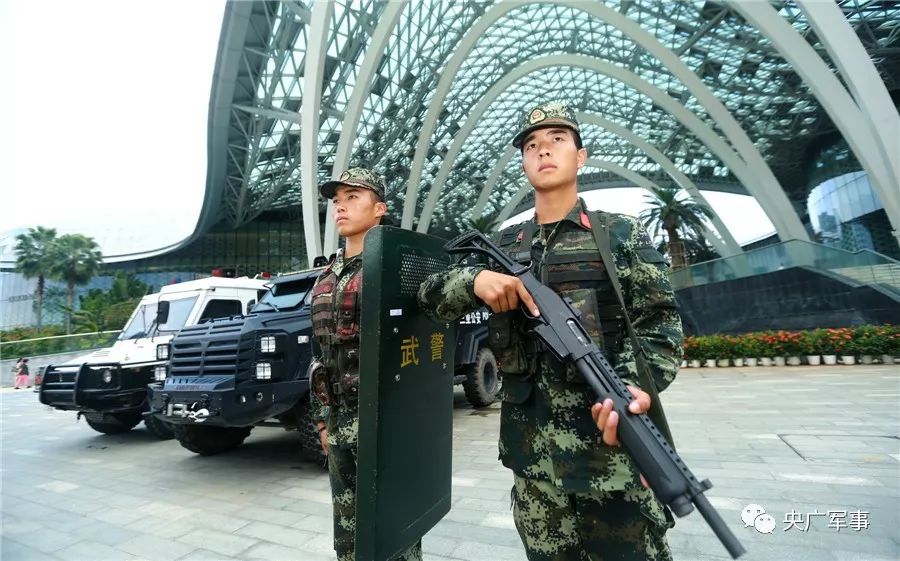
596, 526
342, 472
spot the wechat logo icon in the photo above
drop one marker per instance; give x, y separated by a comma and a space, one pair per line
756, 516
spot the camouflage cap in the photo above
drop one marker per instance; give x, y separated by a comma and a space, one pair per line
551, 113
356, 177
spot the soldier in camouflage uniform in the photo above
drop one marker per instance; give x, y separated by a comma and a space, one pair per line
576, 494
359, 205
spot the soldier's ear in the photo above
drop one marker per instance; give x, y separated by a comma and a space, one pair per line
380, 209
582, 157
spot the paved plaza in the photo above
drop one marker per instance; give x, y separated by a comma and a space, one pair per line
803, 440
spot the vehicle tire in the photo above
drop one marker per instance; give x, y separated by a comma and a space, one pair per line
310, 444
207, 441
483, 382
159, 428
112, 423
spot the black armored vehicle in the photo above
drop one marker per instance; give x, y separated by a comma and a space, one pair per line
476, 369
226, 376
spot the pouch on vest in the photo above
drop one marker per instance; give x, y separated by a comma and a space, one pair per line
505, 340
347, 328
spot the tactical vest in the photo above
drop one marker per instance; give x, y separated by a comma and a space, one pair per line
335, 325
578, 274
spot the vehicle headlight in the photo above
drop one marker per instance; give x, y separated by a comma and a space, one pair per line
263, 370
107, 376
267, 343
159, 373
162, 352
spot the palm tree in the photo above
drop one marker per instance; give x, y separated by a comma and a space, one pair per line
671, 210
126, 286
77, 260
484, 224
93, 311
698, 249
34, 260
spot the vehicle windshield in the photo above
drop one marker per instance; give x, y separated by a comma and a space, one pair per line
143, 324
179, 310
287, 295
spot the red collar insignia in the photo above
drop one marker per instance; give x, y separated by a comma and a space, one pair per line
585, 221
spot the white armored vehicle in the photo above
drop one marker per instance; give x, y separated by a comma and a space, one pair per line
109, 386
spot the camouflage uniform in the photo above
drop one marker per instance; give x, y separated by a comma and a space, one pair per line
335, 310
574, 497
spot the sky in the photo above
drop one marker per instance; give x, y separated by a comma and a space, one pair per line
106, 129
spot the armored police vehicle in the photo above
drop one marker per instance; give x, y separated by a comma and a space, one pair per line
476, 368
109, 386
228, 375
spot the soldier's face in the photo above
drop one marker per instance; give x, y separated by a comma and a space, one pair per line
356, 210
551, 159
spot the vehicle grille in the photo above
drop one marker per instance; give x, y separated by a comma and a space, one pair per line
59, 385
210, 348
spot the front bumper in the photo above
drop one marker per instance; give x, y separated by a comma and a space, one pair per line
81, 388
217, 400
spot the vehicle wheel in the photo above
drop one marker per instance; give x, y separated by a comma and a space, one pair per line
159, 428
483, 382
112, 423
207, 441
310, 444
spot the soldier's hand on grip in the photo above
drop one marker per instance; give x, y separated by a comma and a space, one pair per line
608, 420
323, 439
502, 293
318, 381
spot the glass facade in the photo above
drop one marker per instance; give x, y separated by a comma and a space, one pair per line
466, 132
844, 210
273, 242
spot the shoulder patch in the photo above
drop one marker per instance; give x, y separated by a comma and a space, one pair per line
509, 236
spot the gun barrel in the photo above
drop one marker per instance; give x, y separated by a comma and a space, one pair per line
725, 535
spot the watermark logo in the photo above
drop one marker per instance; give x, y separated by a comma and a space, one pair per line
756, 516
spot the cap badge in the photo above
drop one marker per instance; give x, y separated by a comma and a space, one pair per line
345, 176
536, 116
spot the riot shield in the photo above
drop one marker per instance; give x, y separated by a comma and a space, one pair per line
405, 397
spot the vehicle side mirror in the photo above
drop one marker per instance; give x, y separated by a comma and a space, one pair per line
162, 312
250, 305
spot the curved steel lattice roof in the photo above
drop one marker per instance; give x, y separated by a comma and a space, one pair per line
428, 92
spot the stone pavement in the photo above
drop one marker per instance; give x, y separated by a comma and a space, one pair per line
801, 439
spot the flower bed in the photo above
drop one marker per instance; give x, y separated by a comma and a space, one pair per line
872, 343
